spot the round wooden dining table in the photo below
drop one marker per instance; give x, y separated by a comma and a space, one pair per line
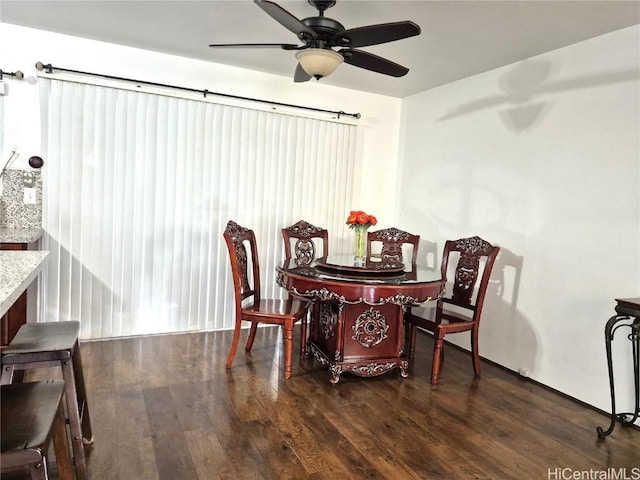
357, 320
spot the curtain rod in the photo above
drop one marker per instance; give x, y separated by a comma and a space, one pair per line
17, 74
49, 69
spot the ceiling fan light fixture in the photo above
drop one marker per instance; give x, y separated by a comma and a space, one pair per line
319, 62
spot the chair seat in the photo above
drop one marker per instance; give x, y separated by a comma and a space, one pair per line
450, 322
421, 322
28, 410
53, 339
272, 308
31, 416
455, 320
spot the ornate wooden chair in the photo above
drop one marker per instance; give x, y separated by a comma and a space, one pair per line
304, 238
301, 246
461, 310
391, 241
249, 305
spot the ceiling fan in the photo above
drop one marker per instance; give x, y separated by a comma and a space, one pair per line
320, 35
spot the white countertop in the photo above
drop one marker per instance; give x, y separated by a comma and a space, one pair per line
20, 235
18, 268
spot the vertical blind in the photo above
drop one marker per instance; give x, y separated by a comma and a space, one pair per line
138, 190
2, 160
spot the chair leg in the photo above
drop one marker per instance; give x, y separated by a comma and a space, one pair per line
475, 356
287, 337
71, 397
61, 447
251, 337
303, 338
87, 432
437, 357
413, 331
234, 343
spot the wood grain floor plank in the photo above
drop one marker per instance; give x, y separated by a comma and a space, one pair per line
134, 425
169, 445
136, 459
276, 450
102, 458
209, 456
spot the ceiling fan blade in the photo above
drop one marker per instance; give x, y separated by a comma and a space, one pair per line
369, 61
376, 34
285, 19
283, 46
300, 75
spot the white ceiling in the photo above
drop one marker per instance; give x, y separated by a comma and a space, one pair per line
459, 38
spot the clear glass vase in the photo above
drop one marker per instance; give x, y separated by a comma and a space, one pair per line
360, 245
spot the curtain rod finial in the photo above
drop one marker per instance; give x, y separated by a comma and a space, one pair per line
41, 66
36, 162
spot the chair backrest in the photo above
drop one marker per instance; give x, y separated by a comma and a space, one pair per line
471, 250
245, 268
305, 250
392, 240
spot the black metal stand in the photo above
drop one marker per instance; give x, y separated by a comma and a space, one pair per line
628, 315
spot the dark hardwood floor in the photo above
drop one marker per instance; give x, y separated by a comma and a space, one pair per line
165, 407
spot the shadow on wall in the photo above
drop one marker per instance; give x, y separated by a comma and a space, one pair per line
525, 100
163, 290
506, 334
428, 254
74, 292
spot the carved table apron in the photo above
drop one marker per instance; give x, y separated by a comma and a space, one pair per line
357, 322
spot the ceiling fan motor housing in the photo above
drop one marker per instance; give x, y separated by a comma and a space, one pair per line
326, 28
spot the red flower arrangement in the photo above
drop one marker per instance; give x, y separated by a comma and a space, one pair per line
360, 222
359, 219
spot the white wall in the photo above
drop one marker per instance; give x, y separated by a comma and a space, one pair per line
378, 127
542, 158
